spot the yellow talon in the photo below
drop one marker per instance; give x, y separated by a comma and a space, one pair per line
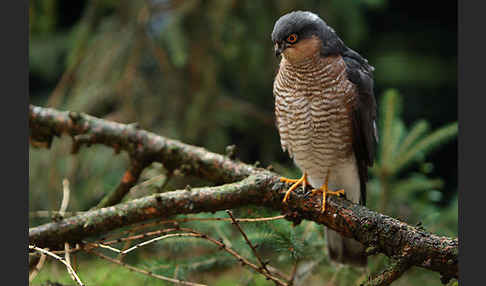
288, 181
336, 193
296, 183
325, 191
321, 189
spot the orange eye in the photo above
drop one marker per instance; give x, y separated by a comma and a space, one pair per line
292, 38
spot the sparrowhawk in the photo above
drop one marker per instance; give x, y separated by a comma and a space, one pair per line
325, 112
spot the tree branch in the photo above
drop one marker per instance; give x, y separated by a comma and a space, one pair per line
130, 178
146, 272
394, 271
263, 265
45, 123
248, 185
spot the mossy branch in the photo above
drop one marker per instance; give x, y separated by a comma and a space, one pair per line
245, 185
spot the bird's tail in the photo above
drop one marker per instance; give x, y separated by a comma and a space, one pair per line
345, 250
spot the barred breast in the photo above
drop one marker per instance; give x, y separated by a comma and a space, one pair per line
313, 104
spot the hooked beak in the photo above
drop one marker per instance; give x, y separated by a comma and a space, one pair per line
279, 48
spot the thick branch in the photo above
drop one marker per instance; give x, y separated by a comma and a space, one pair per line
46, 122
385, 234
388, 235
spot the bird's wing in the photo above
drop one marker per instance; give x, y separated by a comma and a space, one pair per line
365, 134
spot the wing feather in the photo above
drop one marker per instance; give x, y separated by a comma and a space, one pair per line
365, 134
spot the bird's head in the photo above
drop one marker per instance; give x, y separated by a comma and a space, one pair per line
301, 34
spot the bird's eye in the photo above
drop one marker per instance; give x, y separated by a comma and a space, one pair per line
292, 38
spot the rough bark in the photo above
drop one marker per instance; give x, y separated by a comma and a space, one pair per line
45, 123
245, 185
394, 271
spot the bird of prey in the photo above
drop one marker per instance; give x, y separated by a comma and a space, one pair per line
325, 113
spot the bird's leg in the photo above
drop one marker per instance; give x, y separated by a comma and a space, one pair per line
296, 183
325, 191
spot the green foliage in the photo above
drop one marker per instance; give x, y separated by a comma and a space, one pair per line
399, 150
91, 272
43, 16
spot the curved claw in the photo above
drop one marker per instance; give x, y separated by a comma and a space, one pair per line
325, 191
288, 181
296, 183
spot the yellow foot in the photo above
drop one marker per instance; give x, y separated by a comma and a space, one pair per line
325, 191
296, 183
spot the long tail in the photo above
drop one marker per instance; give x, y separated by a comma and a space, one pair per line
345, 250
342, 249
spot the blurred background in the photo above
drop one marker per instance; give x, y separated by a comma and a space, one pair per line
202, 72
